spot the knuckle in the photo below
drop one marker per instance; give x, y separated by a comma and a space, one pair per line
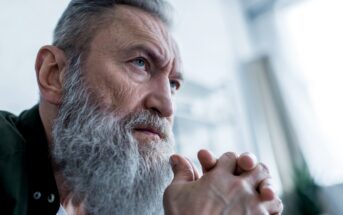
264, 168
276, 206
239, 183
188, 172
279, 205
230, 155
268, 183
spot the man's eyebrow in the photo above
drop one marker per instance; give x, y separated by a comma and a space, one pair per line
158, 58
150, 52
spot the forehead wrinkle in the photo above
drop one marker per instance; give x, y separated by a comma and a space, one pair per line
135, 27
145, 27
155, 41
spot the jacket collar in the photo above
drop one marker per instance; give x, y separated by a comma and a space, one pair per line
43, 193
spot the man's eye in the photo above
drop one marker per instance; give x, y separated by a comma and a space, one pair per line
174, 85
141, 63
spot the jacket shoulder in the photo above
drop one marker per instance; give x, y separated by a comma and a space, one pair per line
11, 140
13, 175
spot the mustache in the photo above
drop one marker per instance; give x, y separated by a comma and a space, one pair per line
146, 119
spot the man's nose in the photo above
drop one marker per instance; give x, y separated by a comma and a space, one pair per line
159, 98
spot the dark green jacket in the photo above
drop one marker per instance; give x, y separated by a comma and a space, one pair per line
27, 184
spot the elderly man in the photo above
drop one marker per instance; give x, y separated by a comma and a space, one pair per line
100, 139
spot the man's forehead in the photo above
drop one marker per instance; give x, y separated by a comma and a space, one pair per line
132, 26
139, 19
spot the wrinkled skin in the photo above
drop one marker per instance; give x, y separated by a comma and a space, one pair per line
230, 185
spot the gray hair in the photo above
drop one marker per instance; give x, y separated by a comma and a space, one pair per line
82, 18
103, 166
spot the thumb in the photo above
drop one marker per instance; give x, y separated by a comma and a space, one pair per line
182, 169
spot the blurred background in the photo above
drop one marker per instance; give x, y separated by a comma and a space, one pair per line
263, 76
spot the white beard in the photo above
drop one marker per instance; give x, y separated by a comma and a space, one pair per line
102, 164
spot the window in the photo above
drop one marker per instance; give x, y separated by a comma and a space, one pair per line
314, 34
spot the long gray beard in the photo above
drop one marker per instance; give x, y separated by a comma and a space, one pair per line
102, 165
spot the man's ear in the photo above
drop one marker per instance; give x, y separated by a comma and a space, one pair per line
50, 67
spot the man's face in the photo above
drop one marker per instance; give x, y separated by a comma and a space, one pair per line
133, 65
112, 136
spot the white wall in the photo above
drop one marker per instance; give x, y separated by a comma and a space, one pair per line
25, 27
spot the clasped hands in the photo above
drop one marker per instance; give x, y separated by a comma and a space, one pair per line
230, 185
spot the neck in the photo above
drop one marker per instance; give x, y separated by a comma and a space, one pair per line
48, 113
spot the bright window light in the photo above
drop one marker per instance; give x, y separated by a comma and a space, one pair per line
316, 41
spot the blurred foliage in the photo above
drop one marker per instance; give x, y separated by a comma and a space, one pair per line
304, 200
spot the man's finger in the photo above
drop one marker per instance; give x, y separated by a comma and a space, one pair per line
246, 162
182, 169
227, 162
195, 169
207, 160
257, 175
266, 190
274, 207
